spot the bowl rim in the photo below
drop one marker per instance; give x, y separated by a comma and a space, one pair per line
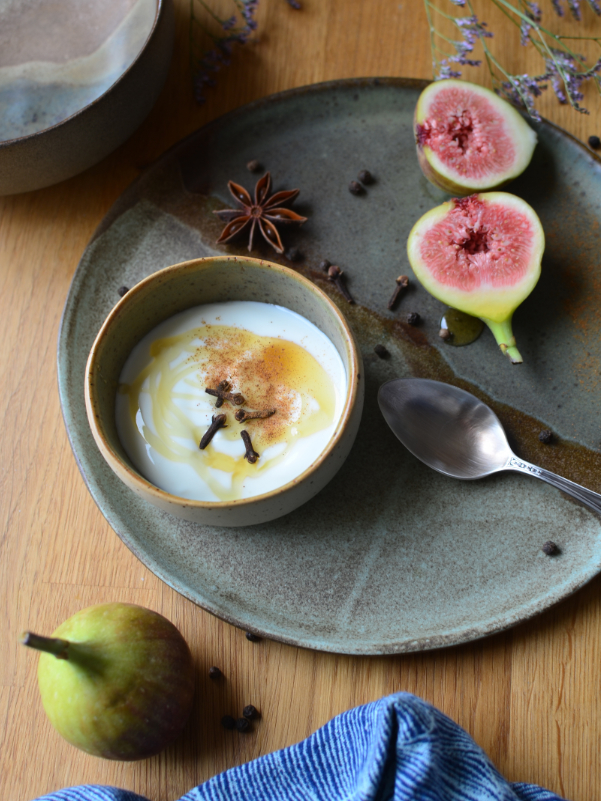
143, 484
159, 11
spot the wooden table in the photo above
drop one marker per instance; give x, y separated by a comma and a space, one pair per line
530, 696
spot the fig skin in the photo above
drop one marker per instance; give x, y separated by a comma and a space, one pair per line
493, 305
125, 690
523, 138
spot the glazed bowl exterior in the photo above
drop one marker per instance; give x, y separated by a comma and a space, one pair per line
83, 139
214, 280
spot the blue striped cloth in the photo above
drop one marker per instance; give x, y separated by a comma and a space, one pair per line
397, 748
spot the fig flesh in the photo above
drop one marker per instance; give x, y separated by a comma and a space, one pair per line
469, 139
116, 680
482, 255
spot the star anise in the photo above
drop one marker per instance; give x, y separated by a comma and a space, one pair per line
265, 212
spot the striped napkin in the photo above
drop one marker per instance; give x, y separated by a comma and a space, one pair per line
397, 748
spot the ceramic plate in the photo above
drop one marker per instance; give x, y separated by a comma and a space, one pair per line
391, 556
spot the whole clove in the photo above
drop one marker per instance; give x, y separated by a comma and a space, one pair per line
550, 548
217, 422
336, 276
223, 393
251, 455
413, 318
242, 415
250, 712
366, 177
402, 282
381, 351
355, 188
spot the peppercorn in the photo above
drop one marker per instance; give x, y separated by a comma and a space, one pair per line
594, 142
228, 722
550, 548
381, 351
123, 290
365, 177
413, 318
214, 673
242, 724
546, 436
355, 188
250, 712
252, 637
253, 166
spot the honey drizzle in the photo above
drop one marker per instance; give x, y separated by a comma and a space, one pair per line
269, 371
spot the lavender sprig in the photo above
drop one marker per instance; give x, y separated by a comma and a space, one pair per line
565, 71
223, 33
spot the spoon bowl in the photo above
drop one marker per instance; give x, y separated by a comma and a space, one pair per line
458, 435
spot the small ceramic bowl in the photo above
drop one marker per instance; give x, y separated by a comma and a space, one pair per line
215, 280
91, 131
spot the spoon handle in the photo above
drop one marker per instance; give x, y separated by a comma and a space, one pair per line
582, 494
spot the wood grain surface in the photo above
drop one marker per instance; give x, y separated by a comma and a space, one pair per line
530, 697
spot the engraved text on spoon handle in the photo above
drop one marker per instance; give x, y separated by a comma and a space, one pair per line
582, 494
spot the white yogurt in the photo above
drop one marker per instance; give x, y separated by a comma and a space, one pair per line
272, 356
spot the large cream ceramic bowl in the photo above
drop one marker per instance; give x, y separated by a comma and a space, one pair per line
215, 280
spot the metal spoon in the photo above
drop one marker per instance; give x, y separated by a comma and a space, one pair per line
453, 432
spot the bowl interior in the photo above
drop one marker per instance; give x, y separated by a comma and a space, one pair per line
183, 286
57, 58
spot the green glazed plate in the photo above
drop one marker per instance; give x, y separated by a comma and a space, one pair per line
391, 556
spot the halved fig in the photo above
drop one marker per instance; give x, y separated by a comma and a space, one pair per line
469, 139
482, 255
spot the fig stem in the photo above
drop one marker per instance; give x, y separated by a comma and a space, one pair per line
50, 645
503, 333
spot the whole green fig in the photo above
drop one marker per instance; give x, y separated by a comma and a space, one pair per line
116, 680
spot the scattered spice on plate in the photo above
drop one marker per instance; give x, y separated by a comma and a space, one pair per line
402, 282
214, 672
366, 177
293, 254
228, 722
382, 351
413, 318
355, 188
123, 290
546, 436
264, 212
336, 276
550, 548
250, 712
